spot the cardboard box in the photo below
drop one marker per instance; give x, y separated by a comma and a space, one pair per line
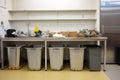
66, 34
73, 34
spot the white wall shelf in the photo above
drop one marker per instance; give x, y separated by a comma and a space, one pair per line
20, 15
52, 19
51, 10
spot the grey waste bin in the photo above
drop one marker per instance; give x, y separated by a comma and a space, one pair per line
14, 57
93, 57
76, 58
56, 58
34, 58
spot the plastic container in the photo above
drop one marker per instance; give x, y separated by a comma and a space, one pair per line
93, 57
34, 58
14, 57
76, 58
56, 58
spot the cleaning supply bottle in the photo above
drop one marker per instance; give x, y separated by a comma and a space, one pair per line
2, 30
38, 32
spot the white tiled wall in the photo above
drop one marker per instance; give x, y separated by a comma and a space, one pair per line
4, 18
53, 25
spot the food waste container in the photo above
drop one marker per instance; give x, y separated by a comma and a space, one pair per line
76, 58
93, 57
14, 57
56, 58
34, 57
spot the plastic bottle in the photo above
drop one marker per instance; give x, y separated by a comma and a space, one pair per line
2, 30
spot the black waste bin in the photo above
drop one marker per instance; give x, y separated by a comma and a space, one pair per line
117, 55
93, 57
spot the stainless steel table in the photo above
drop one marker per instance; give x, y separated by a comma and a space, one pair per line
49, 39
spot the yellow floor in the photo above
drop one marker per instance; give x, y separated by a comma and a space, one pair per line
65, 74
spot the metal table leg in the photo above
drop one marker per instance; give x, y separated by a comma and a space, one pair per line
2, 56
105, 48
45, 55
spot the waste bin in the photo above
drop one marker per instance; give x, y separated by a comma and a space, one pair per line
14, 57
117, 55
93, 57
34, 57
76, 58
56, 58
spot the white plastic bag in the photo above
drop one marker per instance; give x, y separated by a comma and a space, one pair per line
2, 32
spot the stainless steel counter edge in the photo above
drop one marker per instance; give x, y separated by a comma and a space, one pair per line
54, 39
